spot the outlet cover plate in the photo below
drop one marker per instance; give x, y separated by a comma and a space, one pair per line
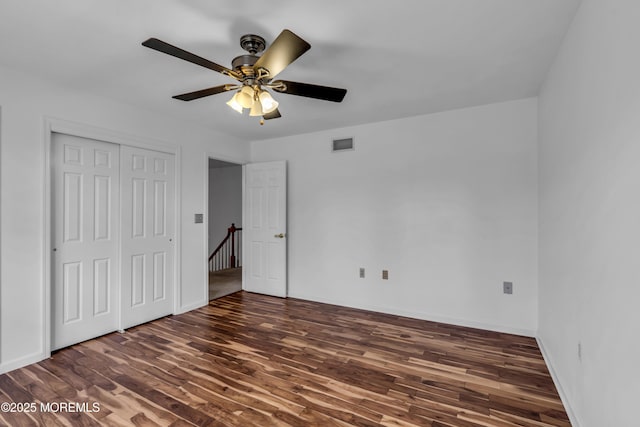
507, 287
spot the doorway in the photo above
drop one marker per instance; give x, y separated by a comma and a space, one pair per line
224, 228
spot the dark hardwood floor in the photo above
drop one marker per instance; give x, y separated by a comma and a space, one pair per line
252, 360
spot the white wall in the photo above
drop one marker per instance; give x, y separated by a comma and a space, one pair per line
590, 214
446, 202
225, 202
24, 103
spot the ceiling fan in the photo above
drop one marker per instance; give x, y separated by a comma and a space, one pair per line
255, 74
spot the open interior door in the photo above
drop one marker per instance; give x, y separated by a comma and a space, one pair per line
265, 228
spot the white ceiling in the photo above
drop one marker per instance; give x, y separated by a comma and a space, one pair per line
396, 58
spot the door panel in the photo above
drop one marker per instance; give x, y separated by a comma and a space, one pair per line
85, 203
101, 283
102, 211
147, 235
159, 275
160, 208
72, 292
265, 235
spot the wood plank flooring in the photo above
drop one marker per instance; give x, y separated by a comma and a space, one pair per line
252, 360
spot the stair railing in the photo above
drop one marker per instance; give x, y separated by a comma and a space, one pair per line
228, 254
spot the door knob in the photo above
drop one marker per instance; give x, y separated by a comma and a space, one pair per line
279, 236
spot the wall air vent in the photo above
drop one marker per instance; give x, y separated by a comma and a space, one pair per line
342, 144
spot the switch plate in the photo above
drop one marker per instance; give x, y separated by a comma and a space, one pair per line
507, 287
385, 274
361, 273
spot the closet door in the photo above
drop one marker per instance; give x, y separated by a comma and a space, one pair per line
85, 204
148, 198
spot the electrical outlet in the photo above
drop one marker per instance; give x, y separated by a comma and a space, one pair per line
362, 273
385, 274
507, 287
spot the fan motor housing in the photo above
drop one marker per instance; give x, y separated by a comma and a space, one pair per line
243, 61
244, 64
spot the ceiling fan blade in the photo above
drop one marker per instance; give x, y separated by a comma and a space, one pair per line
285, 49
310, 91
202, 93
272, 115
169, 49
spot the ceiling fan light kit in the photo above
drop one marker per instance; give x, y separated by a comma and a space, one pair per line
255, 74
245, 96
233, 103
256, 110
268, 103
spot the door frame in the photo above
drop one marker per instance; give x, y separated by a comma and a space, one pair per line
54, 125
205, 262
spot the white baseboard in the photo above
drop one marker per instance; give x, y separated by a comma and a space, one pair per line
556, 380
21, 362
37, 357
190, 307
422, 316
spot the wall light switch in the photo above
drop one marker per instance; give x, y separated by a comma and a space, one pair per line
507, 287
362, 273
199, 218
385, 274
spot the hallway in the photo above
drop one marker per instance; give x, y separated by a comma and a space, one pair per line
224, 282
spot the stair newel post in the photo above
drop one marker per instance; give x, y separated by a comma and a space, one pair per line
232, 258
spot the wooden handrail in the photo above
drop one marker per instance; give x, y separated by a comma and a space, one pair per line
226, 255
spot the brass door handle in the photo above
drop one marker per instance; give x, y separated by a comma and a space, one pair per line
279, 236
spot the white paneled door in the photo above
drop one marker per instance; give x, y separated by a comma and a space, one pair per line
265, 228
85, 207
113, 209
147, 183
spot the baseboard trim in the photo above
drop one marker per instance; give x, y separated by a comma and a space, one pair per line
21, 362
556, 380
422, 316
191, 307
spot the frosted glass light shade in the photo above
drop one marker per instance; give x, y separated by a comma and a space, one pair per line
233, 103
245, 97
256, 109
267, 102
